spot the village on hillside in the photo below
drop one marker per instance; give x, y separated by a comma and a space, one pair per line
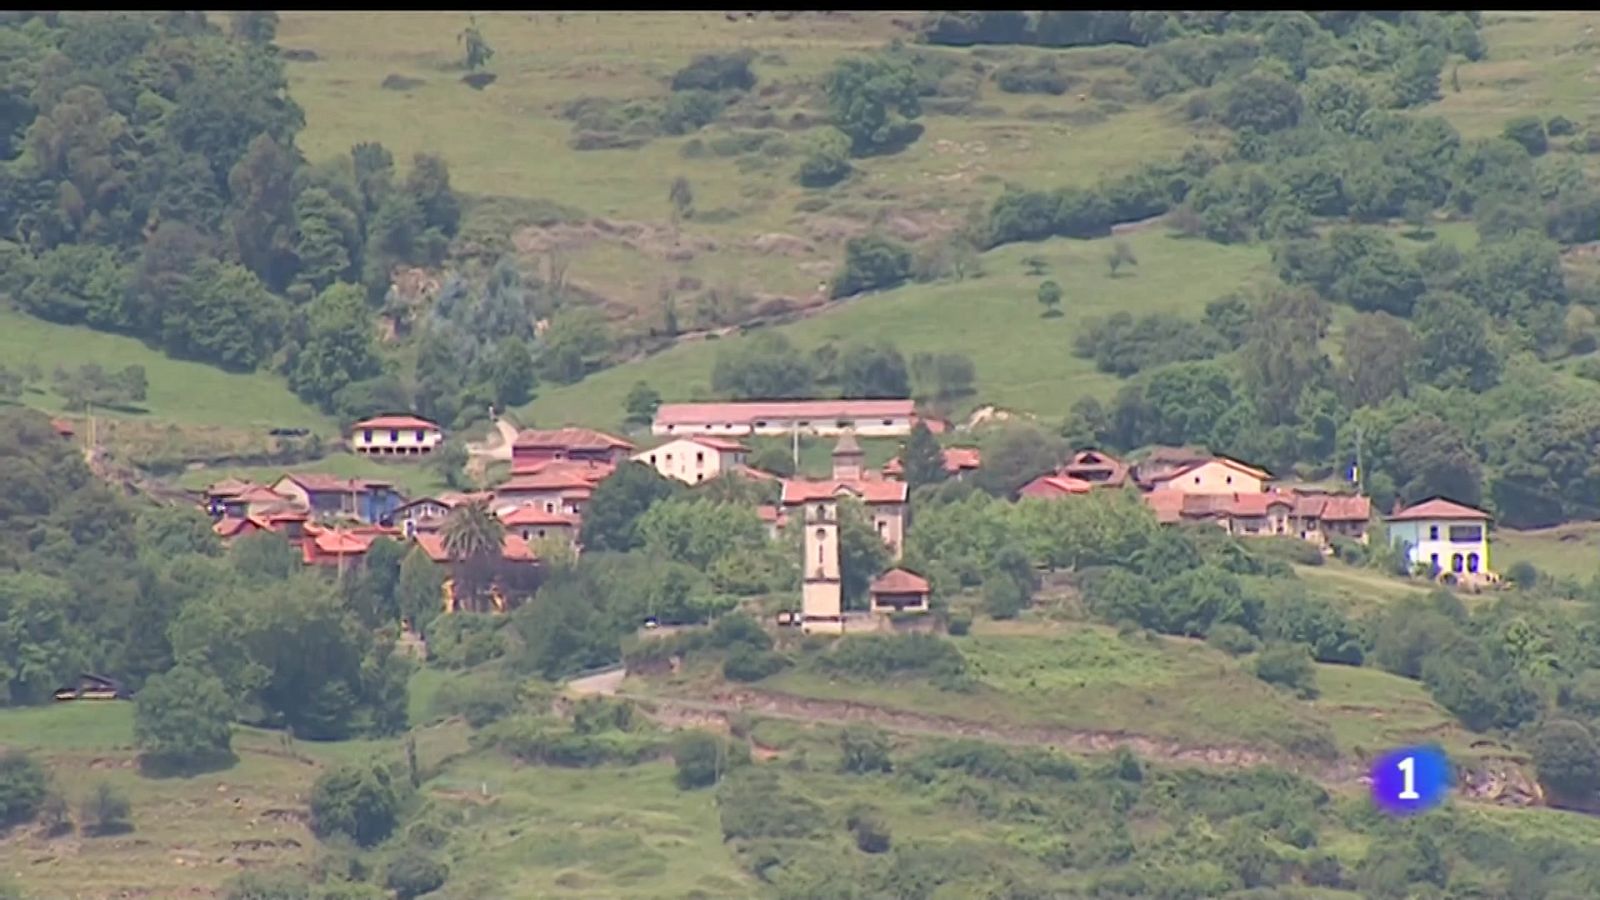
555, 472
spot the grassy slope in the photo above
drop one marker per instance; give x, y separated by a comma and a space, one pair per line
185, 393
1023, 361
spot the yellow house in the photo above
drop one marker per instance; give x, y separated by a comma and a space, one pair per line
695, 459
1219, 475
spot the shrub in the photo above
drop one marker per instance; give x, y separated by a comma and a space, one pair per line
1039, 76
717, 72
864, 748
412, 874
1560, 126
690, 111
543, 742
872, 657
597, 715
1024, 768
23, 787
480, 702
1523, 574
1529, 132
960, 623
1288, 666
755, 803
464, 640
1232, 639
746, 663
1568, 760
106, 811
1291, 549
872, 262
739, 629
269, 885
701, 758
867, 826
358, 801
1003, 597
183, 717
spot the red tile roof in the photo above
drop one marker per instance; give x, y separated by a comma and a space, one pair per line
796, 491
1438, 508
772, 514
343, 543
1230, 463
255, 493
746, 413
532, 516
62, 427
550, 479
569, 439
395, 422
512, 548
1055, 486
1096, 467
899, 581
229, 526
1167, 505
228, 487
590, 469
717, 443
1346, 508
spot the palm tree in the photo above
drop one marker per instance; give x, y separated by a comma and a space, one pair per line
472, 538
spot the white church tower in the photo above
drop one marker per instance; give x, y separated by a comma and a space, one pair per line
822, 594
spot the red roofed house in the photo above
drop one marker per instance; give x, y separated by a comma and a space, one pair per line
873, 418
899, 590
1048, 487
1446, 536
884, 500
577, 444
395, 436
695, 459
321, 546
774, 518
558, 487
533, 524
515, 576
1100, 469
1311, 517
1219, 475
958, 461
230, 527
369, 500
63, 427
1320, 518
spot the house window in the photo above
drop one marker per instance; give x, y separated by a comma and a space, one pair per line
541, 533
394, 435
669, 457
652, 459
1229, 479
1472, 562
1433, 560
1433, 532
420, 436
1466, 534
761, 423
882, 525
1455, 562
842, 423
366, 436
888, 422
1197, 479
699, 459
804, 423
549, 507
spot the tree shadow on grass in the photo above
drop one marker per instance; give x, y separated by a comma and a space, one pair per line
187, 767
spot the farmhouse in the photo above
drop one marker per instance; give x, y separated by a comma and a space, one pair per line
1097, 468
574, 444
1216, 475
532, 524
365, 499
1445, 536
869, 418
557, 486
695, 459
885, 500
395, 436
339, 546
429, 513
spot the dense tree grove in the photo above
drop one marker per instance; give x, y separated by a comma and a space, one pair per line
90, 581
153, 188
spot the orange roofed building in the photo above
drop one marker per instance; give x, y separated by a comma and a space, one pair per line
575, 444
555, 486
885, 500
958, 462
899, 590
872, 418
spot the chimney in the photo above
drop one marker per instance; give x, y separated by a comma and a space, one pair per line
847, 458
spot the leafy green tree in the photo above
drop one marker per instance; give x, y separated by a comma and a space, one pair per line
827, 162
775, 459
922, 461
224, 316
1262, 102
1453, 346
1377, 354
328, 239
1283, 358
359, 801
183, 717
942, 377
429, 183
574, 345
873, 371
1121, 255
254, 26
1568, 760
264, 555
419, 592
339, 346
449, 460
511, 374
39, 648
872, 100
268, 885
1014, 454
411, 875
681, 196
702, 759
78, 283
872, 262
767, 367
566, 629
1050, 298
862, 552
23, 787
262, 226
610, 522
641, 404
1416, 76
699, 532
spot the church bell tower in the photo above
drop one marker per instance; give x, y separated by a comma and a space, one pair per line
822, 593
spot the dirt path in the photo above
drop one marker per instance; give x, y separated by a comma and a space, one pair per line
1502, 784
685, 712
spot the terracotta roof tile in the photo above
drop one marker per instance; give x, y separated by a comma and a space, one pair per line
319, 482
1438, 508
395, 422
899, 581
569, 439
746, 413
797, 491
1347, 509
1055, 486
512, 548
530, 515
229, 526
555, 478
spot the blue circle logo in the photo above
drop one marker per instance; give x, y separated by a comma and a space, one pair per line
1410, 780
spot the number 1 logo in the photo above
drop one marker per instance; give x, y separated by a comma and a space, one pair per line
1408, 789
1410, 780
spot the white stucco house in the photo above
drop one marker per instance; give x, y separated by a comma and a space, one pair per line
1445, 535
695, 459
395, 436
